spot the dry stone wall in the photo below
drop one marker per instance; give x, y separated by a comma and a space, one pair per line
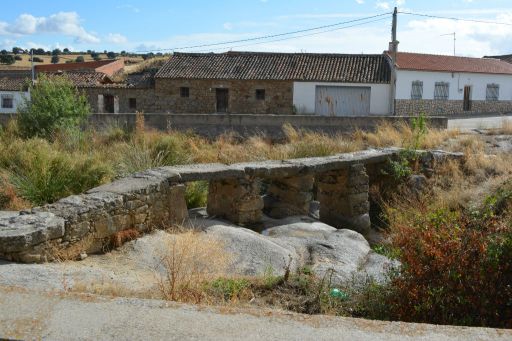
87, 223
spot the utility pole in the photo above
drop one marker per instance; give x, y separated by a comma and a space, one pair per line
32, 64
393, 47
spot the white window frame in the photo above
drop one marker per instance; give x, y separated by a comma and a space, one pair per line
492, 92
2, 97
417, 90
441, 91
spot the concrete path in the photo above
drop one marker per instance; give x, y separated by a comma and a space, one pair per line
37, 315
491, 122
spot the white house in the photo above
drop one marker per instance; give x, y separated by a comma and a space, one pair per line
12, 91
444, 85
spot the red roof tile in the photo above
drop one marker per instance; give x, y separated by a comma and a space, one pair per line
430, 62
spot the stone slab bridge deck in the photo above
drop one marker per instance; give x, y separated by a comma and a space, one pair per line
240, 193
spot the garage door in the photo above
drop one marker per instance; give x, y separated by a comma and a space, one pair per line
342, 100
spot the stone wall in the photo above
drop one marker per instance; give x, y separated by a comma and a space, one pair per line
213, 125
165, 97
91, 222
450, 107
242, 96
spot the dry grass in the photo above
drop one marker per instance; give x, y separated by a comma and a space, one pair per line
193, 259
506, 128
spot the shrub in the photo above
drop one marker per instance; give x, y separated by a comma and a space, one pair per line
456, 264
42, 174
196, 194
55, 59
191, 262
80, 59
54, 103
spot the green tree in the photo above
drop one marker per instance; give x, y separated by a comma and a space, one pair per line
80, 59
7, 59
55, 59
55, 103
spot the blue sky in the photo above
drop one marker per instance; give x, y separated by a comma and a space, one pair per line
147, 25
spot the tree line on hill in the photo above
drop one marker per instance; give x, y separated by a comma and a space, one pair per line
10, 57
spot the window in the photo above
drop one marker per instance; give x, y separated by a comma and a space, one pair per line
184, 92
7, 102
417, 90
493, 92
260, 94
441, 91
132, 103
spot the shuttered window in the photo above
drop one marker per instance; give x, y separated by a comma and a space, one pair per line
493, 92
441, 91
417, 90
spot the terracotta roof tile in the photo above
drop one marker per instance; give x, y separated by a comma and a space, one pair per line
278, 66
429, 62
83, 79
13, 83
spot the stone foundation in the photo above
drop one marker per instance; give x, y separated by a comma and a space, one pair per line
450, 107
343, 197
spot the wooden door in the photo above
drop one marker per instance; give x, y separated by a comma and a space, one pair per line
108, 101
222, 100
467, 98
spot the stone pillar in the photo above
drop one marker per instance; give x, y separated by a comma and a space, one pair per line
237, 200
289, 196
343, 196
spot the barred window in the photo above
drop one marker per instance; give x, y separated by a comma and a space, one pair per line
441, 91
493, 92
417, 90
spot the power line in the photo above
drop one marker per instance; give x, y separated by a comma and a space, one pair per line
266, 36
456, 19
299, 36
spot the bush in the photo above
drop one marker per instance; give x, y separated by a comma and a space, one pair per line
80, 59
37, 60
18, 58
42, 174
55, 59
196, 194
54, 103
456, 264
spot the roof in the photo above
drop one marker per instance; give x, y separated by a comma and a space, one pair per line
278, 66
506, 57
430, 62
73, 66
10, 83
83, 79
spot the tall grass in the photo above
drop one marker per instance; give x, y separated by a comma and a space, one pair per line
75, 160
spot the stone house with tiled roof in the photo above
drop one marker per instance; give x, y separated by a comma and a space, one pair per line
447, 85
275, 83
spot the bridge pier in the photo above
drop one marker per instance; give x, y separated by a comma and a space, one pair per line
290, 196
343, 196
237, 200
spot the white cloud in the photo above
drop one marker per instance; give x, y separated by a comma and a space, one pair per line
360, 2
227, 26
116, 38
66, 23
129, 8
382, 5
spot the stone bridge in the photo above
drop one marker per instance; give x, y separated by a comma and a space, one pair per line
239, 193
